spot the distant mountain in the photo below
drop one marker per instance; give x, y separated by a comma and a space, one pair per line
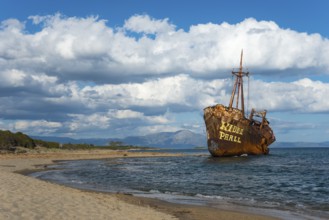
179, 139
299, 144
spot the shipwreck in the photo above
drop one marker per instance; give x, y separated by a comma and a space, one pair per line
230, 132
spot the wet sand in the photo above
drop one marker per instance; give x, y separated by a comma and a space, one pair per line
24, 197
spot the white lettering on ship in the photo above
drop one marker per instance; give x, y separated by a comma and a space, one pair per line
229, 132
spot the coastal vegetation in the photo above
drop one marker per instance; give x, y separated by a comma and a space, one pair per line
13, 142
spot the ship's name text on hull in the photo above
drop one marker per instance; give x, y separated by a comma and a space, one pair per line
227, 127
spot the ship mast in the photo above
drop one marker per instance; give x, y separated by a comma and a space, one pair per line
238, 87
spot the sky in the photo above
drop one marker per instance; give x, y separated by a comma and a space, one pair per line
105, 69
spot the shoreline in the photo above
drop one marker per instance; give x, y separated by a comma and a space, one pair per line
100, 205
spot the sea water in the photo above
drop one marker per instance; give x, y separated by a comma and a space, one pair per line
288, 183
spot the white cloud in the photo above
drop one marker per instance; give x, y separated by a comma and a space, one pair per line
40, 123
80, 108
148, 25
12, 25
12, 78
74, 48
114, 121
302, 95
124, 114
15, 78
80, 76
151, 129
160, 119
36, 126
180, 90
81, 122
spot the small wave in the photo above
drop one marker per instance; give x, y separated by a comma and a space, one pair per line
154, 191
209, 197
77, 182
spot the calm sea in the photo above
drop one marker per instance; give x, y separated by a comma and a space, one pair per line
288, 183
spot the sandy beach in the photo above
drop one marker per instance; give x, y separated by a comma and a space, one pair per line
24, 197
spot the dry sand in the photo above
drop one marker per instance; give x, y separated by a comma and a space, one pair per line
23, 197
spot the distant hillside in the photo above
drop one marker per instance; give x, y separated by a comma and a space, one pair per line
299, 144
179, 139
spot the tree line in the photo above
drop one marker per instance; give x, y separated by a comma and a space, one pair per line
9, 141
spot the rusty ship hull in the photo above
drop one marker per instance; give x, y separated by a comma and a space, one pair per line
230, 132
